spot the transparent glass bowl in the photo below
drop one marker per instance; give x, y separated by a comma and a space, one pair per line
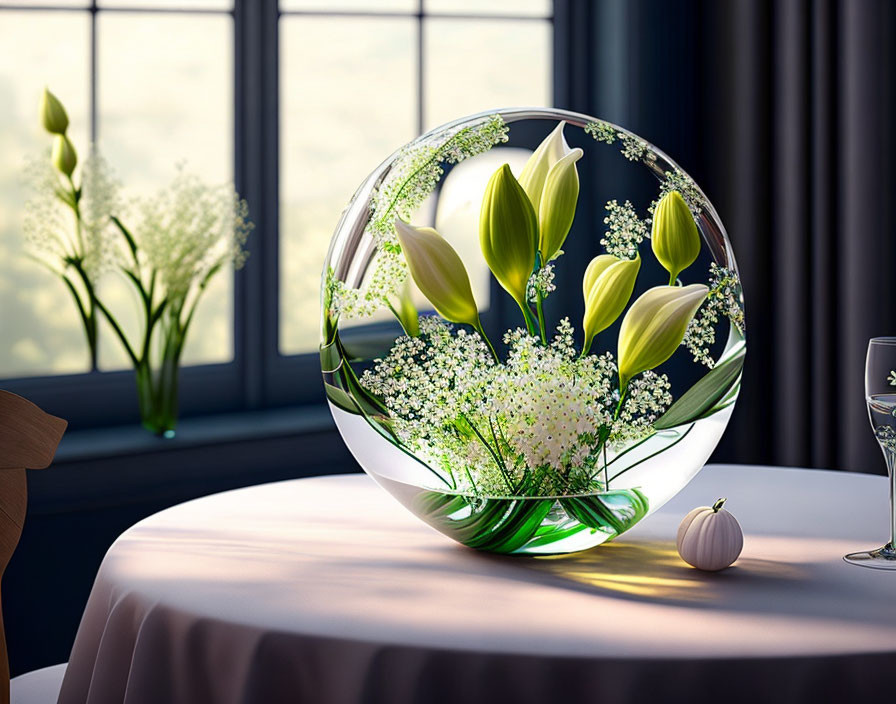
633, 477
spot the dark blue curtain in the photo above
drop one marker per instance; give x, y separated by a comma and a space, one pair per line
783, 113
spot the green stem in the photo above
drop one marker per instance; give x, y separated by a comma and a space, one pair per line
622, 393
437, 155
498, 461
651, 456
672, 279
491, 347
630, 448
88, 311
541, 326
76, 208
118, 332
400, 321
606, 464
88, 319
527, 316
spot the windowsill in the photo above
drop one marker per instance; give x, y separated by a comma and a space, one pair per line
113, 467
129, 440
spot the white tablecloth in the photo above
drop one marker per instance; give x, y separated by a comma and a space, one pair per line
327, 591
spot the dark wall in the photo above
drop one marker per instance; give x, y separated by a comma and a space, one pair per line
783, 112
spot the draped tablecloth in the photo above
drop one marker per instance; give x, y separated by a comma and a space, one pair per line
326, 590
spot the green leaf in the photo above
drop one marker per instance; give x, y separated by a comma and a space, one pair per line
705, 394
129, 238
340, 399
330, 357
611, 511
493, 525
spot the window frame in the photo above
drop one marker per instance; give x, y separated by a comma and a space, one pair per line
259, 375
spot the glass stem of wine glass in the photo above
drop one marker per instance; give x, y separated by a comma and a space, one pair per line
890, 456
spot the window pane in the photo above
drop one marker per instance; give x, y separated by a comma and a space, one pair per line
504, 63
519, 8
44, 3
168, 4
41, 331
347, 101
165, 90
349, 5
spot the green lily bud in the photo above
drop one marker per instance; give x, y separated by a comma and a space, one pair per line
64, 156
654, 327
674, 238
535, 172
608, 293
439, 273
52, 113
508, 233
558, 204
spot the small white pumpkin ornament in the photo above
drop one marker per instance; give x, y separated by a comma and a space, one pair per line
710, 538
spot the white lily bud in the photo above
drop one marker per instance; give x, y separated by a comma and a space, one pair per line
535, 172
608, 294
654, 327
558, 204
439, 273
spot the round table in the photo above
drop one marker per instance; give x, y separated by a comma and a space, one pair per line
326, 590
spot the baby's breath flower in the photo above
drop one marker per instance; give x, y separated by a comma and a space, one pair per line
647, 398
678, 180
633, 148
414, 175
542, 281
49, 230
602, 131
100, 200
544, 412
724, 300
625, 230
189, 230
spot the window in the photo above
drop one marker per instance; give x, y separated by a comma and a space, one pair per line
295, 103
358, 84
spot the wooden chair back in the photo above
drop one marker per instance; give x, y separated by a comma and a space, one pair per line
28, 440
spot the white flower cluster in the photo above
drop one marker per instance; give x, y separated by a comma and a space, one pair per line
413, 176
541, 418
602, 131
189, 230
679, 181
647, 398
432, 379
542, 281
633, 148
625, 230
48, 229
724, 300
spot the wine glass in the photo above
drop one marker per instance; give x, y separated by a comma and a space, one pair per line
880, 395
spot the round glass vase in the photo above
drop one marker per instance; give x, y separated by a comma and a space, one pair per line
444, 417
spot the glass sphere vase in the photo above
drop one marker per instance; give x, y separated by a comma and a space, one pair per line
532, 329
